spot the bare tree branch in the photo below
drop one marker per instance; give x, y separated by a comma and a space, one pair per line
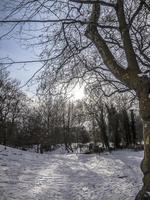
136, 12
109, 60
128, 47
103, 3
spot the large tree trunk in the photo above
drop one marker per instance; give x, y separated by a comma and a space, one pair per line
144, 194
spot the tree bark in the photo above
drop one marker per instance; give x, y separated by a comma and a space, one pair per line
144, 194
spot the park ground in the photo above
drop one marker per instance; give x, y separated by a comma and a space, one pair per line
61, 176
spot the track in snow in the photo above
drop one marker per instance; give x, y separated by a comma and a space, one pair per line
30, 176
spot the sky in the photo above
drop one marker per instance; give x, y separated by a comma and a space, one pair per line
12, 49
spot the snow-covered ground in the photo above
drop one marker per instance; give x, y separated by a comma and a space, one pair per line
28, 176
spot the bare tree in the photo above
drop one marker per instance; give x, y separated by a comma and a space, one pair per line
113, 124
95, 109
11, 105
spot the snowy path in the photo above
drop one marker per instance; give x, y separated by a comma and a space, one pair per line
30, 176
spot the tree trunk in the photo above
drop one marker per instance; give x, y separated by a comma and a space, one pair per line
144, 194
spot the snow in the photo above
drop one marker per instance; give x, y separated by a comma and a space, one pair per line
32, 176
144, 74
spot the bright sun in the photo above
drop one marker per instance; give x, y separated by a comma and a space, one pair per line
77, 92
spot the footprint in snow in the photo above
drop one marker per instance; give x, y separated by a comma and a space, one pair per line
85, 189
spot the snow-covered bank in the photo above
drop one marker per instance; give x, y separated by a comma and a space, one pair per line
31, 176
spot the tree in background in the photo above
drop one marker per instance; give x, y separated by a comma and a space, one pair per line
113, 124
125, 128
11, 105
55, 120
97, 115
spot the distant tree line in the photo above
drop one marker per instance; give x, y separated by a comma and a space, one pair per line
54, 120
